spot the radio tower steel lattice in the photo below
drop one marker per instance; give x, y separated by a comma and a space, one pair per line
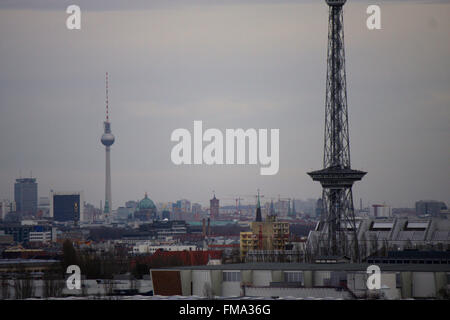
338, 235
107, 140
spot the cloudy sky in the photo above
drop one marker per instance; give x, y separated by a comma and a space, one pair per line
231, 64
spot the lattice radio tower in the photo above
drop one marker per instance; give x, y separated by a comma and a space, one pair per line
338, 235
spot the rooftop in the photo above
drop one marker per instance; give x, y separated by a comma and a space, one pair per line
317, 267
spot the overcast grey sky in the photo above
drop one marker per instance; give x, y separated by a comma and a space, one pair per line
231, 64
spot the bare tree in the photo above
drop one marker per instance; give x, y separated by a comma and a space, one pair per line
5, 288
84, 288
53, 286
134, 284
108, 285
373, 242
23, 287
208, 291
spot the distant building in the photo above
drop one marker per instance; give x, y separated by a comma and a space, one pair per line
131, 204
91, 213
381, 210
196, 208
29, 233
26, 195
214, 208
124, 213
184, 205
44, 206
319, 208
165, 214
146, 248
291, 211
146, 210
265, 235
6, 207
282, 208
5, 239
430, 207
67, 207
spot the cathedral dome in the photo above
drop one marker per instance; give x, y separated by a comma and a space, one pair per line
146, 203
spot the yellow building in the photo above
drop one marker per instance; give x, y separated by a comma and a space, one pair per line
264, 235
248, 241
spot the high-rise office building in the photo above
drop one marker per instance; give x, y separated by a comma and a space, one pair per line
66, 207
430, 207
26, 195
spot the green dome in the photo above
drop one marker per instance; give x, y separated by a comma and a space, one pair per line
146, 203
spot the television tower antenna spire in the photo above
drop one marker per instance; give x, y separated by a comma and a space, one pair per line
107, 101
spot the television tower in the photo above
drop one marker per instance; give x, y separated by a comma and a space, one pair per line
107, 140
338, 235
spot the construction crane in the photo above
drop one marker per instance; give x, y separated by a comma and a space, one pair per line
238, 203
255, 196
285, 199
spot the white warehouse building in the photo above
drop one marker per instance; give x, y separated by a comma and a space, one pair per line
391, 234
300, 280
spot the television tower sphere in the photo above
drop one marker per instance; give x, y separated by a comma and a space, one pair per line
107, 139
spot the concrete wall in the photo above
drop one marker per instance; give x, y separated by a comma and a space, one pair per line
389, 280
231, 288
406, 281
216, 281
441, 282
297, 292
247, 276
262, 277
186, 281
423, 285
201, 280
319, 277
308, 278
277, 276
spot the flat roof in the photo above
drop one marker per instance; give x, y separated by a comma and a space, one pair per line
316, 267
26, 261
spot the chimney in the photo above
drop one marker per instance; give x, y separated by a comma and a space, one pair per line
209, 228
203, 228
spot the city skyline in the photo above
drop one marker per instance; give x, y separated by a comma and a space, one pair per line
263, 70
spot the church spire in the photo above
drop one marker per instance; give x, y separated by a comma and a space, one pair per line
258, 210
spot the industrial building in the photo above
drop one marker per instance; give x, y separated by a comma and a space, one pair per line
389, 234
327, 280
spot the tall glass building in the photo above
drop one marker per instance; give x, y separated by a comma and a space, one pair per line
26, 195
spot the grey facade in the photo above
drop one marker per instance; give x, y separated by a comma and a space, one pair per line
26, 195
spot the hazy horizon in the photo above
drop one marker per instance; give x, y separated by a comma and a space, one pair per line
231, 64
